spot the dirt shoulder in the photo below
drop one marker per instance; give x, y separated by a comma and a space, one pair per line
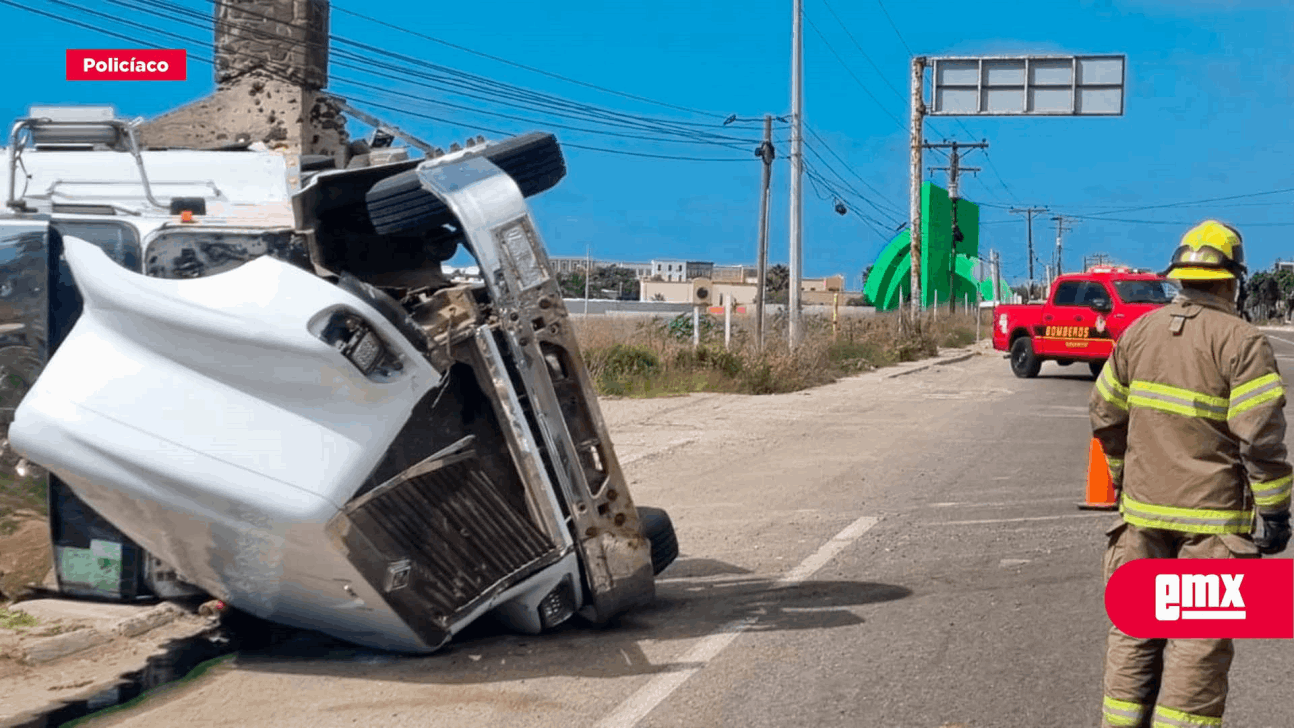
36, 672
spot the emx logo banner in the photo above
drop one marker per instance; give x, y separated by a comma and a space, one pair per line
1203, 598
139, 64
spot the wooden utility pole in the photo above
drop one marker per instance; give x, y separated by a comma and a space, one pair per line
766, 153
954, 170
914, 183
1029, 212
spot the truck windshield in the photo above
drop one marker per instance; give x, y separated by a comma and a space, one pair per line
1145, 291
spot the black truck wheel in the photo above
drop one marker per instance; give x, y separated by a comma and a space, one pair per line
659, 530
1024, 363
400, 204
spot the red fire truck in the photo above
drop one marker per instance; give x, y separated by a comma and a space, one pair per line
1082, 318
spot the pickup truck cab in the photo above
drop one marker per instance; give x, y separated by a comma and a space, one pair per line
1082, 318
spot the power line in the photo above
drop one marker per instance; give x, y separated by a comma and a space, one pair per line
1192, 202
850, 169
852, 75
895, 27
564, 144
525, 98
522, 66
163, 33
1177, 222
993, 168
522, 98
859, 46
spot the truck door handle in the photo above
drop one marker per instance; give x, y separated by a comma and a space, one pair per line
1078, 318
1046, 318
1118, 315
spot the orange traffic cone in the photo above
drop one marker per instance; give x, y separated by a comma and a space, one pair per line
1100, 489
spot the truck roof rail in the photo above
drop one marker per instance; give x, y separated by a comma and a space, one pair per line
73, 126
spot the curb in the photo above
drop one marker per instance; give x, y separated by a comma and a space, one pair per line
52, 648
933, 363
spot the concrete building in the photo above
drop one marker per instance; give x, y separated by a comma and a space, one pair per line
813, 292
571, 264
833, 284
681, 292
735, 274
681, 270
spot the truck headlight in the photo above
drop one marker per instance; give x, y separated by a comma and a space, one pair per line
360, 344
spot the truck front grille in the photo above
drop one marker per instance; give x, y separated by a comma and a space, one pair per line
437, 540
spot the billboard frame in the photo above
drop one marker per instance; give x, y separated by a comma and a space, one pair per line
1030, 77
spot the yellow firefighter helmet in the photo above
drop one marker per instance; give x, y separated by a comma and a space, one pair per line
1209, 251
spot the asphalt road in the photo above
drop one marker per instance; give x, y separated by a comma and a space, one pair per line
881, 552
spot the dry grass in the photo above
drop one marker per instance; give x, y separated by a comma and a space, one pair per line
647, 357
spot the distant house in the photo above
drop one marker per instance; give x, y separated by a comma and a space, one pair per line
680, 270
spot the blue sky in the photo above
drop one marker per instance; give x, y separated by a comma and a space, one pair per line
1208, 114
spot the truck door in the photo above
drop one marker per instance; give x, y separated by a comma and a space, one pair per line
1060, 319
1088, 336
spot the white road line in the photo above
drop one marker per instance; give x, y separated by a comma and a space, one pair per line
638, 705
1021, 520
976, 504
1278, 338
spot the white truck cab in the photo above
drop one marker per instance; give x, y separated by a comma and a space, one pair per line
266, 384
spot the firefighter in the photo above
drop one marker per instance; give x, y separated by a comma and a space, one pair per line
1190, 411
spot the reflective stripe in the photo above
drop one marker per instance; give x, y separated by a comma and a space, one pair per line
1188, 520
1115, 466
1255, 392
1123, 713
1113, 392
1177, 401
1170, 718
1273, 492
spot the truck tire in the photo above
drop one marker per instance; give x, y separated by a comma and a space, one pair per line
400, 204
659, 531
1024, 363
1095, 367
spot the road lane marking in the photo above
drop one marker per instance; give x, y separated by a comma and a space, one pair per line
660, 687
1001, 503
1278, 338
1021, 520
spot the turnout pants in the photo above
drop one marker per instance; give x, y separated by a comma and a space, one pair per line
1166, 683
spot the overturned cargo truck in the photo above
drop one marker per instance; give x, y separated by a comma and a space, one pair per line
280, 398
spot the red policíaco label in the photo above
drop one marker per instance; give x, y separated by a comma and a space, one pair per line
1203, 598
135, 64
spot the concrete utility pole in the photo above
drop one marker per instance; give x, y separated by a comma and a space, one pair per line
1060, 230
797, 170
271, 60
1029, 212
954, 170
914, 184
766, 153
997, 278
